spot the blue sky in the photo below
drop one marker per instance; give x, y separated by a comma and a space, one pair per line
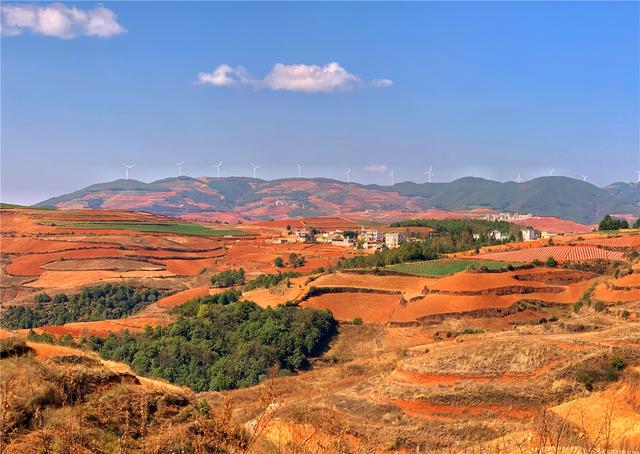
484, 89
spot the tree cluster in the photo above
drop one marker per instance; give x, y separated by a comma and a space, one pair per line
608, 223
270, 280
228, 278
230, 346
109, 301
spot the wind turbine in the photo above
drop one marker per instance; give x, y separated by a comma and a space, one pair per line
429, 173
584, 178
348, 176
179, 164
299, 170
638, 172
518, 180
218, 166
126, 169
552, 172
391, 175
255, 167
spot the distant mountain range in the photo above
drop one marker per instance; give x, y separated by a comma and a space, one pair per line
561, 197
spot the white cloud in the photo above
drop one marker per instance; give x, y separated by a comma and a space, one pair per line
301, 78
379, 168
59, 21
224, 75
310, 78
381, 83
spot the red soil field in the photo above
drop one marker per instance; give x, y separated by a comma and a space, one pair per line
410, 286
187, 267
48, 350
555, 225
71, 279
30, 265
560, 253
178, 299
627, 241
103, 328
629, 280
12, 245
428, 410
609, 294
213, 216
370, 307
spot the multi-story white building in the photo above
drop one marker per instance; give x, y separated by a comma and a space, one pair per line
529, 234
393, 240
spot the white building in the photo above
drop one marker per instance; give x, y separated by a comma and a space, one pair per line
393, 240
529, 234
498, 235
370, 235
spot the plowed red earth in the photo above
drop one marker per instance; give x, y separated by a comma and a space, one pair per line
180, 298
555, 225
371, 307
10, 245
559, 253
428, 410
627, 241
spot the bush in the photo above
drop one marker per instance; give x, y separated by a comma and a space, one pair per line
577, 306
278, 262
296, 260
599, 306
228, 278
42, 298
357, 321
606, 371
537, 262
551, 262
626, 314
12, 346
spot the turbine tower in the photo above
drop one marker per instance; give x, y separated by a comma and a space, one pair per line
126, 169
584, 178
255, 167
518, 180
348, 176
391, 175
552, 172
179, 164
429, 173
638, 172
218, 166
299, 170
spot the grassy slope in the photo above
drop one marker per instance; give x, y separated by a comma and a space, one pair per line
177, 227
445, 266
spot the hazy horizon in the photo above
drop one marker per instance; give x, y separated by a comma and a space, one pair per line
472, 89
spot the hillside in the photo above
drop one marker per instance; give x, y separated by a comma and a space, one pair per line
259, 199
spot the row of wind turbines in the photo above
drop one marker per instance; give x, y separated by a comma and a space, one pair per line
429, 172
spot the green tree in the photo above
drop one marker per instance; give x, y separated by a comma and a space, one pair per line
228, 278
278, 262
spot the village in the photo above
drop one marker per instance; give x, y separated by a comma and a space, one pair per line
385, 237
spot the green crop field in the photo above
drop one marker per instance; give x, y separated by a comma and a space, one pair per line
174, 227
446, 266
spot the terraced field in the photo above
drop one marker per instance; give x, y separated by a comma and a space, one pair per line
559, 253
447, 266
